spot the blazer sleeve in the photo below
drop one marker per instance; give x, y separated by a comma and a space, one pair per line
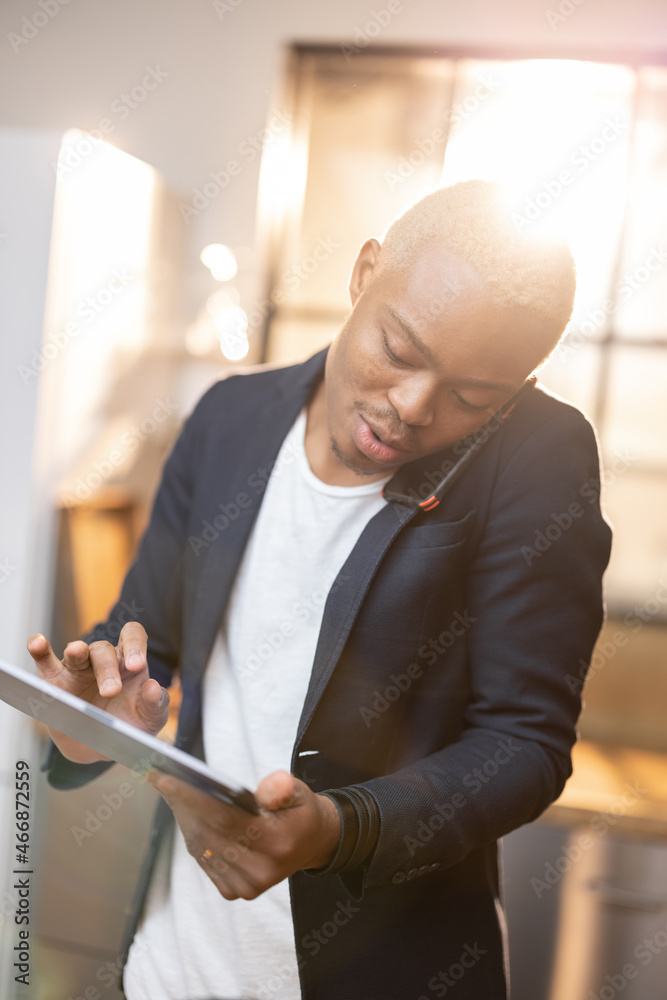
534, 587
152, 592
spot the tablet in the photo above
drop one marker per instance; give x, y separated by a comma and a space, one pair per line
118, 740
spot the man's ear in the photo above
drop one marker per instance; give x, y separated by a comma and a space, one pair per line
364, 266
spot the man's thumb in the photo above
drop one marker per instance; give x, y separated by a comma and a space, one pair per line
277, 791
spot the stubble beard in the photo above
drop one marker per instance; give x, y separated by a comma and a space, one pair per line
349, 463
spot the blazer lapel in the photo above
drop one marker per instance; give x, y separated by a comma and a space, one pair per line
345, 598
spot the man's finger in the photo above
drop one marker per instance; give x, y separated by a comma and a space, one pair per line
105, 664
48, 665
230, 881
154, 705
132, 645
207, 808
175, 790
76, 656
229, 885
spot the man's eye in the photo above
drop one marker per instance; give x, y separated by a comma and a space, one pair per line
466, 405
390, 354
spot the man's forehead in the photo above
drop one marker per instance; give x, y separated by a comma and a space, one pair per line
435, 284
433, 261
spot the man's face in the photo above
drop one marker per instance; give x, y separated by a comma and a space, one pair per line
423, 360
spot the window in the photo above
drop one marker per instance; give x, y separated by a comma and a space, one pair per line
578, 143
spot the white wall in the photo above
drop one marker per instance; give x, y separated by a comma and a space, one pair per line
26, 212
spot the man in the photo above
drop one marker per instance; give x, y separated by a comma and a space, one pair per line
343, 625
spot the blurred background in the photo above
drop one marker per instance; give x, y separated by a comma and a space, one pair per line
183, 191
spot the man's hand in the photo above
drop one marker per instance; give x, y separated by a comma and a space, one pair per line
113, 678
244, 855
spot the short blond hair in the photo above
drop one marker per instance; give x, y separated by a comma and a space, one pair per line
473, 221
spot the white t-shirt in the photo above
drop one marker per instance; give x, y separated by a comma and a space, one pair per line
193, 943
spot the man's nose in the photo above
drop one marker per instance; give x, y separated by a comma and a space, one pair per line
414, 400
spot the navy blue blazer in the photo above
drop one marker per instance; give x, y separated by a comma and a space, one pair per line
439, 682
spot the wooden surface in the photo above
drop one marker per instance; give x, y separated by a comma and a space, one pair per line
627, 787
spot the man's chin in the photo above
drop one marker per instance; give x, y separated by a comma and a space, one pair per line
369, 468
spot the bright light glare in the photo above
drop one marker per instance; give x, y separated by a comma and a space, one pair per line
282, 177
555, 134
97, 283
201, 336
220, 261
223, 297
231, 325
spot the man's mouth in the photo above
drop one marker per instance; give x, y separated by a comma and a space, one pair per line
371, 444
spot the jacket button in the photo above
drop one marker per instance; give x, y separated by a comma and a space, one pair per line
436, 864
411, 874
424, 868
398, 877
